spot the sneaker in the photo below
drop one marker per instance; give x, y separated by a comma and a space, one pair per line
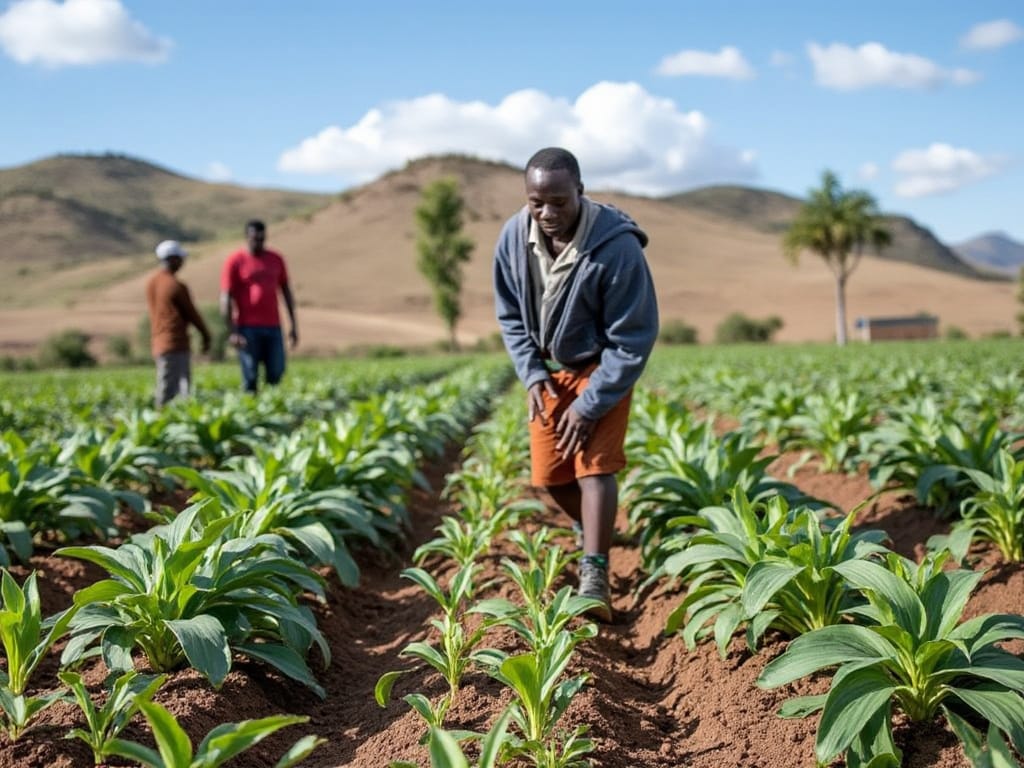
594, 584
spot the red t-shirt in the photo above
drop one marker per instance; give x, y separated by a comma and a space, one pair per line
252, 282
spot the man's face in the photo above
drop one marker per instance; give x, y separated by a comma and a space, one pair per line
553, 198
174, 263
255, 238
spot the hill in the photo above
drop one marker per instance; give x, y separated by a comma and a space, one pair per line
70, 209
353, 268
771, 212
995, 250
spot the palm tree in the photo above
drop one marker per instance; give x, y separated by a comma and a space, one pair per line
835, 224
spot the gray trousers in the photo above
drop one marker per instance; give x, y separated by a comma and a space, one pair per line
173, 376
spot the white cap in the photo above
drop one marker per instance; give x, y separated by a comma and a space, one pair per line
169, 248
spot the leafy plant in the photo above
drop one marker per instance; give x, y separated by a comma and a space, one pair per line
26, 638
995, 512
174, 750
184, 593
914, 655
831, 424
103, 725
455, 652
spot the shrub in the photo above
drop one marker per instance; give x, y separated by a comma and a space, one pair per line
677, 332
119, 347
66, 349
955, 333
738, 328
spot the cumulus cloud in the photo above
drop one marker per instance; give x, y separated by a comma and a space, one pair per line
868, 171
728, 63
218, 171
991, 34
942, 168
844, 68
625, 138
76, 32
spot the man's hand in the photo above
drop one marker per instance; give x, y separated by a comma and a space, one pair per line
236, 340
574, 431
293, 337
206, 343
535, 399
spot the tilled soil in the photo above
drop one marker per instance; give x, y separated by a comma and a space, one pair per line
650, 702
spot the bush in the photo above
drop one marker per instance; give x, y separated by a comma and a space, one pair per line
955, 333
738, 328
677, 332
66, 349
218, 332
119, 347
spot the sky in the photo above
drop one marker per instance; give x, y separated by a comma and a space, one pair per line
919, 103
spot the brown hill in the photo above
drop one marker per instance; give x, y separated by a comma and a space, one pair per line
74, 209
354, 274
771, 212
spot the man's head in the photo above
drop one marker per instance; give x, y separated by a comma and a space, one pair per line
553, 190
255, 235
171, 255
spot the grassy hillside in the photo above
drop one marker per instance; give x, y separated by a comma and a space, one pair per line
771, 212
68, 209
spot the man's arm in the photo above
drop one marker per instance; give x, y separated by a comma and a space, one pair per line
235, 339
289, 303
183, 300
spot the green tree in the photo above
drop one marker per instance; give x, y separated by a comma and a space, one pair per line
837, 225
66, 349
443, 249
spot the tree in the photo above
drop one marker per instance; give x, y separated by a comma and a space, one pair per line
837, 225
443, 249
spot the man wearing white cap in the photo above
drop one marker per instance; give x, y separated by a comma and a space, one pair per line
170, 312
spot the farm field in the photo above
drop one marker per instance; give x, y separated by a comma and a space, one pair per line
285, 523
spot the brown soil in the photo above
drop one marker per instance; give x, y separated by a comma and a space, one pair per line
650, 703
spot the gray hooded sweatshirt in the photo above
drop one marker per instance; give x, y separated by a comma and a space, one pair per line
606, 311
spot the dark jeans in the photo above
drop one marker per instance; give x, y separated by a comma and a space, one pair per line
262, 345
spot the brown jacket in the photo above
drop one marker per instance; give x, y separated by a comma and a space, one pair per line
170, 311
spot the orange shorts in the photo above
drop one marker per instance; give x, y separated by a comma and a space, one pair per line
604, 452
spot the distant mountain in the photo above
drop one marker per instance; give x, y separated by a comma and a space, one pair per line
771, 212
995, 250
68, 209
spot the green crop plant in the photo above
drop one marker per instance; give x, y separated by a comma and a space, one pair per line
262, 493
113, 462
103, 725
175, 750
914, 655
455, 652
26, 639
461, 540
543, 555
183, 593
541, 697
445, 751
995, 513
992, 753
831, 424
763, 565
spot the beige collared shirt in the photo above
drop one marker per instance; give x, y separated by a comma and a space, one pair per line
548, 273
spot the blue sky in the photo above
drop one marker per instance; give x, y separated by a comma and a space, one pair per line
920, 103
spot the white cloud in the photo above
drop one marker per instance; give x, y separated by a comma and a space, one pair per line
991, 34
844, 68
942, 168
218, 172
625, 138
76, 32
868, 171
728, 63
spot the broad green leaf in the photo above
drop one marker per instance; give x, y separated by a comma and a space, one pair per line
205, 645
300, 750
382, 690
286, 661
230, 739
764, 579
1002, 708
445, 751
887, 587
172, 742
825, 647
852, 702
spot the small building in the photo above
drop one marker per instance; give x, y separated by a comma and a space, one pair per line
897, 328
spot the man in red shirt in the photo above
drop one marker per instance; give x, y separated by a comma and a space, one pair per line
170, 312
248, 301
